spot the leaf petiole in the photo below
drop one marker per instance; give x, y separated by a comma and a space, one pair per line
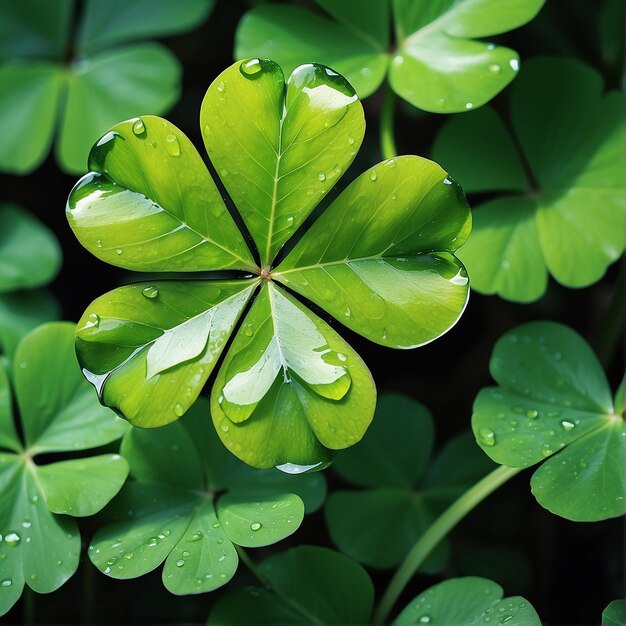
436, 532
387, 140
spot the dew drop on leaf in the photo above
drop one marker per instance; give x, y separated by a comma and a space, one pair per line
256, 526
172, 146
532, 414
7, 582
373, 175
12, 539
567, 425
322, 177
180, 563
196, 536
138, 127
487, 436
178, 409
494, 68
251, 67
150, 292
425, 619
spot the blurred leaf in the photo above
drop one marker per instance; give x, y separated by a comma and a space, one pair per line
614, 614
554, 403
569, 218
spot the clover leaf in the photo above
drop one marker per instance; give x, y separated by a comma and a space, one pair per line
437, 62
191, 503
289, 391
309, 585
40, 546
30, 256
553, 403
614, 614
378, 524
469, 601
78, 88
560, 203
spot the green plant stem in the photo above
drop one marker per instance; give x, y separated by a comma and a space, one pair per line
243, 555
436, 532
613, 320
29, 606
387, 140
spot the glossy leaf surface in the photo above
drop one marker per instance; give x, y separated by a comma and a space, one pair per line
189, 504
290, 390
58, 412
553, 403
29, 253
569, 218
279, 147
469, 601
437, 63
150, 347
106, 80
614, 614
309, 586
378, 524
380, 258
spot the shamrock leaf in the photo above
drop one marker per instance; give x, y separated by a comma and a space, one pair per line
308, 585
30, 256
106, 78
553, 402
469, 601
437, 62
378, 524
563, 213
614, 614
381, 259
191, 503
58, 413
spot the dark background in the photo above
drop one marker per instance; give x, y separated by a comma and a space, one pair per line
569, 571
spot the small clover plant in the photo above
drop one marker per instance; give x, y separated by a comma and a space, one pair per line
560, 204
58, 412
30, 257
553, 404
310, 585
437, 63
84, 85
290, 391
400, 497
191, 502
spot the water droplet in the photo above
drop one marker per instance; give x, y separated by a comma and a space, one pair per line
514, 63
26, 524
172, 146
251, 67
221, 87
532, 414
487, 436
33, 577
153, 542
224, 426
256, 526
351, 140
178, 409
196, 536
118, 251
12, 539
180, 563
348, 312
138, 127
7, 582
99, 243
112, 561
249, 332
150, 292
373, 175
294, 468
128, 556
290, 221
469, 105
220, 540
494, 68
567, 425
394, 196
216, 525
35, 498
222, 558
425, 619
546, 450
505, 618
186, 553
93, 321
322, 177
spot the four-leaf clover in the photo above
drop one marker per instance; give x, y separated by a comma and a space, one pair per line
561, 208
380, 259
58, 413
84, 85
437, 62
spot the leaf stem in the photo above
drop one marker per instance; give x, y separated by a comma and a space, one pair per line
436, 532
613, 320
249, 563
387, 140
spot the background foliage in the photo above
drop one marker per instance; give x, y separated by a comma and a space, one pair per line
510, 538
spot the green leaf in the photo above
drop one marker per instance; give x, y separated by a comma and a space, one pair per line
438, 48
279, 148
294, 35
380, 257
58, 408
149, 348
437, 63
33, 29
290, 389
111, 86
469, 601
38, 548
22, 311
308, 586
8, 435
116, 21
170, 513
62, 483
553, 393
151, 205
614, 614
29, 97
29, 253
569, 219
